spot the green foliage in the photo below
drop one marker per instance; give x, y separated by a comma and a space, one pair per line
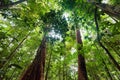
35, 18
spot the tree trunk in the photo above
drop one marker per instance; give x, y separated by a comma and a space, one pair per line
36, 70
3, 6
113, 11
82, 73
48, 67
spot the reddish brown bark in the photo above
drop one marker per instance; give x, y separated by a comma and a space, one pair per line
82, 73
36, 70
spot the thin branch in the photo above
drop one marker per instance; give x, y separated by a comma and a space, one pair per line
14, 51
98, 38
105, 65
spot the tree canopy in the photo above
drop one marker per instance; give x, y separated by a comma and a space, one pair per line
79, 35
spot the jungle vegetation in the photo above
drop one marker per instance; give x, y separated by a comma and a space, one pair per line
59, 39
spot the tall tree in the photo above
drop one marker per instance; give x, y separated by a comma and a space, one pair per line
57, 16
36, 70
82, 73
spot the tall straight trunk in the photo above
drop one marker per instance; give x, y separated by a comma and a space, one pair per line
82, 73
36, 70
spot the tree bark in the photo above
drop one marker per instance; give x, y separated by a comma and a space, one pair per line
113, 11
82, 73
36, 70
11, 4
48, 67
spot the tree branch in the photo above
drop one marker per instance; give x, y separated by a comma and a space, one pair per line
98, 38
11, 4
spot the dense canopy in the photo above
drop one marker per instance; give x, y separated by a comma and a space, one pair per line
60, 40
